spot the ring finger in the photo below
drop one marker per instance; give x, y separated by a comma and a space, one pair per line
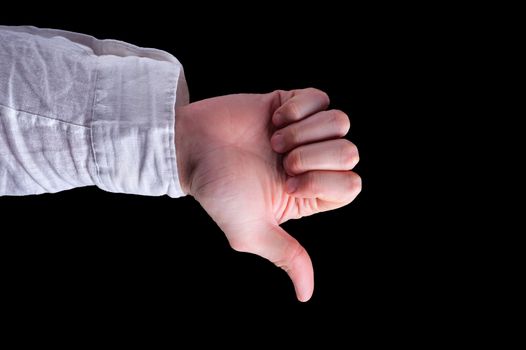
338, 154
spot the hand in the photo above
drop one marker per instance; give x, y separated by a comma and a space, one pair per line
256, 161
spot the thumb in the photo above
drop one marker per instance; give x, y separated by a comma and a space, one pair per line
276, 245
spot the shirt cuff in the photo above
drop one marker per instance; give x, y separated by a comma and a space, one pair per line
133, 121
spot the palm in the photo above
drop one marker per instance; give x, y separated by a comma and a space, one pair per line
240, 180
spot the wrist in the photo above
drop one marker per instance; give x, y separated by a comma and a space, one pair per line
183, 146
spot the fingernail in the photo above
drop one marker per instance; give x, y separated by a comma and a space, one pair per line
278, 142
292, 184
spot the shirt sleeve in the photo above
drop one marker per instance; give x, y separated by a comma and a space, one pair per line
78, 111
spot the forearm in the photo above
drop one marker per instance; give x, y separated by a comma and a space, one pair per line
77, 111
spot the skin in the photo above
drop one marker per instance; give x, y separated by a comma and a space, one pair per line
254, 161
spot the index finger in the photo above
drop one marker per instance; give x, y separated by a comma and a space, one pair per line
301, 104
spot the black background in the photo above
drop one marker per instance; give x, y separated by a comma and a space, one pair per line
124, 258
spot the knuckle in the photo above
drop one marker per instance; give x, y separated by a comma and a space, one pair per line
293, 161
291, 253
312, 184
293, 111
341, 122
292, 137
349, 154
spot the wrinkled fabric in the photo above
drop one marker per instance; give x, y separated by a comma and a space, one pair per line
77, 111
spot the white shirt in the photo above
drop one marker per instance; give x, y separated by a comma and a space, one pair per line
78, 111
